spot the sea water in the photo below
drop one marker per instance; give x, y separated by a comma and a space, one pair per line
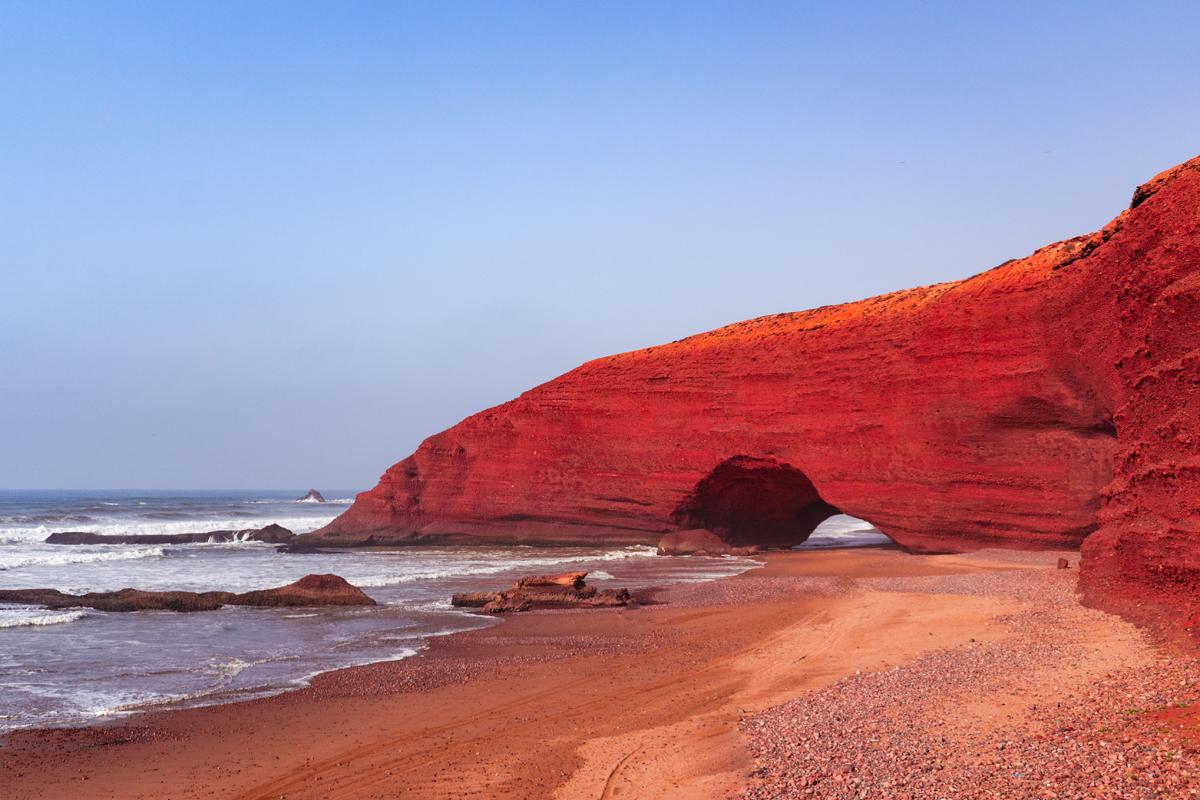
77, 665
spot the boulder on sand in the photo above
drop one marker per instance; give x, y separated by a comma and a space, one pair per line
544, 591
699, 542
572, 579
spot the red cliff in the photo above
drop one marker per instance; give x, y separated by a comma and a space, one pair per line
1050, 401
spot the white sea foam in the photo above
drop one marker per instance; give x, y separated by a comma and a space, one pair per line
35, 617
235, 666
134, 527
122, 704
499, 566
74, 556
635, 551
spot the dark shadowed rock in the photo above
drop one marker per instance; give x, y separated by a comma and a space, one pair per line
137, 600
300, 547
313, 496
275, 534
311, 590
50, 598
122, 600
699, 542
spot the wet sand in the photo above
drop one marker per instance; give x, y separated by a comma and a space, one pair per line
768, 684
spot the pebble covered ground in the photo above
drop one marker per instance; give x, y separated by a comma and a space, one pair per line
964, 722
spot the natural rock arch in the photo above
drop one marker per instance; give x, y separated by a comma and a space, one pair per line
759, 502
1049, 400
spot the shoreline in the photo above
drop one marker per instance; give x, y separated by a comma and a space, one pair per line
672, 699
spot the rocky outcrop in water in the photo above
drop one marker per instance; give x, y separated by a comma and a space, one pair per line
276, 534
311, 590
313, 496
1049, 402
544, 591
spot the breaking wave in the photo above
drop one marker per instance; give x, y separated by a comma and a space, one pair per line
24, 617
131, 527
18, 561
520, 565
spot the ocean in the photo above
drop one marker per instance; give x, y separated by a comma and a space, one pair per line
76, 666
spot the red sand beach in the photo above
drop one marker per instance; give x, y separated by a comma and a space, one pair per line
839, 674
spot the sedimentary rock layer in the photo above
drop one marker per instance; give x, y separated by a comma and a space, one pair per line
1049, 401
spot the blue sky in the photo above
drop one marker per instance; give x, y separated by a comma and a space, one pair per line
277, 244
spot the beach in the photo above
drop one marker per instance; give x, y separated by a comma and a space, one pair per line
61, 666
859, 672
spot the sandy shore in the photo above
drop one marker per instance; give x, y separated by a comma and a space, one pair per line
844, 673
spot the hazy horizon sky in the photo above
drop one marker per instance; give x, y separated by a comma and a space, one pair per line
275, 245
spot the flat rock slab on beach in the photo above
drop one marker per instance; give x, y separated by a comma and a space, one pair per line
544, 591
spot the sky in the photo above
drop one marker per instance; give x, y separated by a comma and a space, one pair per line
277, 244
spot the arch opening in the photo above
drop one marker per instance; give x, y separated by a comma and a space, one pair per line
750, 501
841, 531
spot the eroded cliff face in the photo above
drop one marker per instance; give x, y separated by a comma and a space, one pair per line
1046, 401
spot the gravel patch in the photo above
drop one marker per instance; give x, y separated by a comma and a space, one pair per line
965, 723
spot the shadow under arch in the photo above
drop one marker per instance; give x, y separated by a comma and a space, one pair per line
747, 500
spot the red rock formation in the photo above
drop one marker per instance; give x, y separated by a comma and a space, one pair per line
1049, 400
311, 590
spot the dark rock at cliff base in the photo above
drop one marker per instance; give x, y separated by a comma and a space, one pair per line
313, 496
544, 591
301, 547
311, 590
273, 534
700, 542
